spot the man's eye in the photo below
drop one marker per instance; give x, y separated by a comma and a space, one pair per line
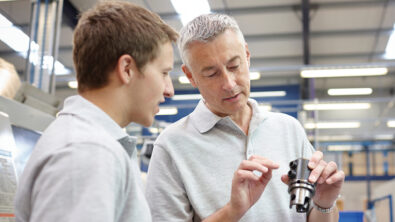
211, 75
234, 67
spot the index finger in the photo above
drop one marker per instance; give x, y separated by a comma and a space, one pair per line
264, 161
315, 159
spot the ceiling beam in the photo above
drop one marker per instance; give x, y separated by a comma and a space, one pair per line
70, 14
307, 88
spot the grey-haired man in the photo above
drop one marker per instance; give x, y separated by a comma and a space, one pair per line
226, 160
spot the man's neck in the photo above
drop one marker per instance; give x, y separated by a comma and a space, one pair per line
106, 100
243, 118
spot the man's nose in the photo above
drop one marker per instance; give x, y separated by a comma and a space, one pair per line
229, 81
169, 89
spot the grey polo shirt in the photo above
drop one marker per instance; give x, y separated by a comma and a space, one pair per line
191, 170
79, 171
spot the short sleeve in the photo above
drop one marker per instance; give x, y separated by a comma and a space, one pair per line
165, 192
81, 182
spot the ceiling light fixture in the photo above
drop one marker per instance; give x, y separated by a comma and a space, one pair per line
391, 123
384, 137
188, 10
16, 39
390, 48
268, 94
73, 84
349, 91
336, 106
187, 97
183, 80
167, 111
265, 107
255, 75
346, 72
331, 138
332, 125
344, 147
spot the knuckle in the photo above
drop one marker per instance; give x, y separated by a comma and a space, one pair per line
239, 173
323, 163
332, 164
319, 154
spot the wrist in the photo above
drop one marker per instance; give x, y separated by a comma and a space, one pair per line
232, 213
325, 208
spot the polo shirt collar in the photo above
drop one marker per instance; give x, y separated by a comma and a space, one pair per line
204, 120
80, 107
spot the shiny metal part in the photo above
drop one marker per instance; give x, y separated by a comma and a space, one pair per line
300, 189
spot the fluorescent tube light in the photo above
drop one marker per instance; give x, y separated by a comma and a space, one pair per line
17, 40
153, 130
183, 80
188, 10
167, 111
265, 107
344, 147
187, 97
384, 137
255, 75
391, 123
349, 91
332, 125
321, 73
73, 84
332, 138
4, 114
268, 94
390, 48
336, 106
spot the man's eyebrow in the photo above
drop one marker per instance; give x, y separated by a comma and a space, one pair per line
207, 68
233, 59
167, 69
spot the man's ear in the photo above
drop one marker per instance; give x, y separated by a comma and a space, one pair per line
126, 68
248, 55
188, 73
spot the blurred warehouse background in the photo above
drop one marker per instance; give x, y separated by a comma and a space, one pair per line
328, 63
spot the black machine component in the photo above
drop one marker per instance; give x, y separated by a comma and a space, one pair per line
300, 189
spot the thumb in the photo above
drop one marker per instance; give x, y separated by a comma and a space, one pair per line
285, 179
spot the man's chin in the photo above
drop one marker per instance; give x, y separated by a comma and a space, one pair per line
147, 122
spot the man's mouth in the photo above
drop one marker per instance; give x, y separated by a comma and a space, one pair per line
232, 97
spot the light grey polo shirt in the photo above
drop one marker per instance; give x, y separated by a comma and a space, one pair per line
194, 160
79, 171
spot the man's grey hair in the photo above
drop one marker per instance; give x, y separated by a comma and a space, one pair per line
205, 28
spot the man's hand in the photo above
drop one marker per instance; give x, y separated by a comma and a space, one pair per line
249, 182
329, 180
247, 186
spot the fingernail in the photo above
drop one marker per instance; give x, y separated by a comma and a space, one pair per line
329, 181
265, 169
311, 165
312, 178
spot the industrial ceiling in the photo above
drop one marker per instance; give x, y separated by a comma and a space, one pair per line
283, 37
